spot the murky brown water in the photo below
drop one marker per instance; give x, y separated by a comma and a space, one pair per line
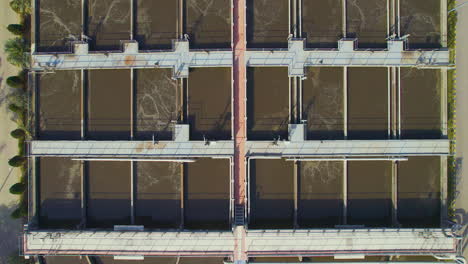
320, 201
367, 103
322, 103
419, 192
59, 105
267, 23
156, 96
204, 260
367, 20
108, 23
267, 104
208, 23
421, 20
157, 203
59, 22
60, 204
369, 193
274, 259
206, 194
271, 193
420, 103
108, 196
108, 104
322, 23
332, 259
147, 260
209, 103
65, 260
156, 23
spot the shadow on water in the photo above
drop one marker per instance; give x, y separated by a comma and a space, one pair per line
157, 203
108, 193
271, 194
206, 194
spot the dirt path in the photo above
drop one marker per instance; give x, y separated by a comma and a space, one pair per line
9, 228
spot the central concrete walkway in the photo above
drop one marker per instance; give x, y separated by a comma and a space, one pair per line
239, 70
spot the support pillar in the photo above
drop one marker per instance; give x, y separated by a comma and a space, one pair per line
296, 186
132, 192
345, 102
132, 108
343, 18
345, 192
182, 198
443, 192
395, 193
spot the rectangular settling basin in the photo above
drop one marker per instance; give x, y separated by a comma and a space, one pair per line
59, 193
65, 260
322, 23
367, 103
419, 192
156, 107
420, 103
59, 105
58, 22
267, 23
108, 23
268, 103
109, 104
271, 193
322, 103
209, 103
421, 20
207, 194
208, 23
108, 193
156, 23
369, 193
157, 194
367, 21
320, 198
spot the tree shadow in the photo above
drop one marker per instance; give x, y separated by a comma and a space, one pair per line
9, 232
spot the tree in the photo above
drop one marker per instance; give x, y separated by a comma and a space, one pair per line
18, 133
21, 7
15, 108
16, 29
18, 188
17, 52
17, 161
15, 82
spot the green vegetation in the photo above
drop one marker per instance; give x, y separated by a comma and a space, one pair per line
18, 133
17, 161
18, 188
451, 104
15, 82
17, 52
21, 7
16, 29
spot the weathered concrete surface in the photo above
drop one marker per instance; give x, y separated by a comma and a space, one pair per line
9, 228
462, 122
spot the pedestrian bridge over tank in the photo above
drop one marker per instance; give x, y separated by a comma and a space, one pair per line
296, 57
318, 242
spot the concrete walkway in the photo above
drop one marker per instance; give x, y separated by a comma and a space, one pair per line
9, 228
462, 120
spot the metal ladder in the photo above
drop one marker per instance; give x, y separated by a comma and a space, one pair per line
239, 215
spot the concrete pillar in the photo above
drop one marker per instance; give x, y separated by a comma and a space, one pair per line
399, 100
443, 23
345, 102
84, 183
132, 192
395, 193
132, 19
295, 187
180, 19
83, 104
345, 192
343, 14
389, 102
443, 102
132, 102
182, 190
443, 191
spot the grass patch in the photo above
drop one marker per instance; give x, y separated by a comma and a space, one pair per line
451, 107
